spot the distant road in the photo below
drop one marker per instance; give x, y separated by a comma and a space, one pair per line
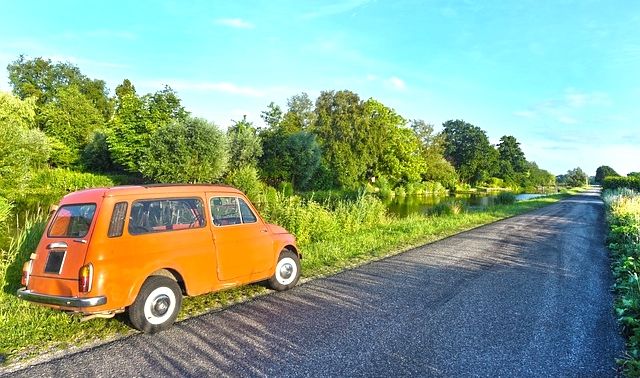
527, 296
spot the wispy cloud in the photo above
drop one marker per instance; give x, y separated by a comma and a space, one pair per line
578, 99
222, 87
397, 83
335, 8
237, 23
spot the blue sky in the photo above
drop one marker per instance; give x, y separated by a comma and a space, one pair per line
563, 77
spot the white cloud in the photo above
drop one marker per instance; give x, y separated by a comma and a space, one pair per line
223, 87
577, 99
397, 83
235, 23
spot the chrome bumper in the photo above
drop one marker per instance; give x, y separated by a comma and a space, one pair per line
29, 295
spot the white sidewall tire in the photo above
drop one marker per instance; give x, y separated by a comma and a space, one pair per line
283, 264
149, 302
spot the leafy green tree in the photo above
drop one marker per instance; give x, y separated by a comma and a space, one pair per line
22, 146
272, 116
303, 155
467, 147
300, 114
537, 178
190, 151
342, 133
512, 164
437, 168
576, 178
96, 155
136, 119
633, 174
70, 118
604, 171
43, 79
244, 143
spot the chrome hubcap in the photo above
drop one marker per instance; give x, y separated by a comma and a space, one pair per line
160, 305
286, 270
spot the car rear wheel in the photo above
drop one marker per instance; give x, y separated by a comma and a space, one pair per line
287, 271
157, 305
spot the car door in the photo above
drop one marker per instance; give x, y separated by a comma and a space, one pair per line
244, 245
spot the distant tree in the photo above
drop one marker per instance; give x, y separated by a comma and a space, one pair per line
71, 119
604, 171
512, 164
272, 116
299, 115
467, 147
342, 133
633, 174
576, 178
437, 168
245, 146
537, 178
22, 145
189, 151
43, 79
136, 119
392, 152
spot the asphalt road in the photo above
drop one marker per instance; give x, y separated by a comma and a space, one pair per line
527, 296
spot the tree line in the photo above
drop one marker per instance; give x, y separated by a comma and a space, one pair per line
58, 117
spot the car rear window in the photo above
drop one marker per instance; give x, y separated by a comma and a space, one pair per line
158, 215
72, 221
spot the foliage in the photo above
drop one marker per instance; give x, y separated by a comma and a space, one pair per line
299, 116
22, 147
44, 80
512, 165
623, 216
135, 121
191, 151
245, 146
344, 137
604, 171
467, 147
613, 182
96, 155
71, 119
576, 178
246, 179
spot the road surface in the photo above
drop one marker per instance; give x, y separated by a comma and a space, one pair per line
527, 296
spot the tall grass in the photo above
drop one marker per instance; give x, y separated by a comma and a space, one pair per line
623, 216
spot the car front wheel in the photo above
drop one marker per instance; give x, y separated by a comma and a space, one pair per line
287, 271
157, 305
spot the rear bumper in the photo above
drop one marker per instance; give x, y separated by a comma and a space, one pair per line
55, 300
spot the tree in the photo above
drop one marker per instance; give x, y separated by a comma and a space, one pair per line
576, 178
136, 119
71, 119
299, 115
437, 168
42, 79
244, 144
512, 164
190, 151
604, 171
22, 146
467, 147
633, 174
272, 116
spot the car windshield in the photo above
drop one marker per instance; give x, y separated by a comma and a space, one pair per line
72, 221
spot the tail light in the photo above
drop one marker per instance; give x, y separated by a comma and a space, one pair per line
85, 276
26, 272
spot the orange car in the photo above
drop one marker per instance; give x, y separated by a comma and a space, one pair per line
141, 248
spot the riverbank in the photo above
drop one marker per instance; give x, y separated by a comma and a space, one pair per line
36, 330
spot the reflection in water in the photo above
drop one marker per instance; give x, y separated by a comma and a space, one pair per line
404, 206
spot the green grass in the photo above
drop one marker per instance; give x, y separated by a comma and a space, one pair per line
623, 217
348, 235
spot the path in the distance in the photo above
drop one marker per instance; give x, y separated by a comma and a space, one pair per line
527, 296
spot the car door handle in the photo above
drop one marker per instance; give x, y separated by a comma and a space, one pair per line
57, 245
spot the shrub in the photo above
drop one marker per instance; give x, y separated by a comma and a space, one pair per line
613, 182
246, 179
505, 198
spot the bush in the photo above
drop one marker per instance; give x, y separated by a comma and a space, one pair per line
246, 179
623, 216
447, 208
613, 182
505, 198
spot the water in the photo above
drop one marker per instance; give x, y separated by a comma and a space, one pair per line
404, 206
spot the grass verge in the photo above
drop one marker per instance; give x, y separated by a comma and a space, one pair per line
31, 330
623, 217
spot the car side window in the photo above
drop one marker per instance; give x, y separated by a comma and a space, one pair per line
149, 216
247, 214
227, 211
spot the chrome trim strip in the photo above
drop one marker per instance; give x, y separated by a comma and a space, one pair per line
28, 295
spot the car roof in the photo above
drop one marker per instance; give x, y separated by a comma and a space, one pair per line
90, 195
